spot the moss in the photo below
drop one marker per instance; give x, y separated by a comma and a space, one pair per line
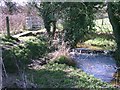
65, 60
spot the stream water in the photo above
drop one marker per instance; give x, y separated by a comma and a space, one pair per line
100, 65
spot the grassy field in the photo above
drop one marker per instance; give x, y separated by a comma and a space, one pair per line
103, 26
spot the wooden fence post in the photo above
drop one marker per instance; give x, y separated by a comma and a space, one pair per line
8, 27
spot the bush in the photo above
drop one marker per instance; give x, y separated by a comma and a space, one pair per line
78, 22
36, 49
62, 55
9, 61
32, 49
65, 60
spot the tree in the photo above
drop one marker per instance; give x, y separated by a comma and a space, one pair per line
78, 21
114, 17
77, 17
11, 6
49, 11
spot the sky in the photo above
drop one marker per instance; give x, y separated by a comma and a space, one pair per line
21, 2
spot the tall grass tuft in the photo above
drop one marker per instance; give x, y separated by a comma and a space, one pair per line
62, 55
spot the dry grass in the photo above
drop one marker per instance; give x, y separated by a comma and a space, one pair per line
62, 51
84, 45
62, 55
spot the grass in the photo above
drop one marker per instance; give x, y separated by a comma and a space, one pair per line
103, 26
65, 60
102, 42
27, 38
25, 52
102, 38
54, 75
57, 74
61, 55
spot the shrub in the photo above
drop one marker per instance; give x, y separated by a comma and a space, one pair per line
65, 60
78, 22
62, 55
31, 49
9, 61
36, 49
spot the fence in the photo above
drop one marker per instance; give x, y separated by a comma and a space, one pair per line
19, 22
16, 21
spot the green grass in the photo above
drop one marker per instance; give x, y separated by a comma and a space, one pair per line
51, 75
103, 26
27, 38
102, 42
31, 49
103, 35
54, 75
65, 60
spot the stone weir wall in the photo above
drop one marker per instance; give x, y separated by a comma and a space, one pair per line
89, 51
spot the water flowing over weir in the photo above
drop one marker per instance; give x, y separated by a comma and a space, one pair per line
100, 64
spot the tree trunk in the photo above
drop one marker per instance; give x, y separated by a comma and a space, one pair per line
116, 27
8, 27
47, 27
54, 28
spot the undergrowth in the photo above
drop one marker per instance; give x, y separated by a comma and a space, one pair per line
24, 53
103, 43
54, 75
